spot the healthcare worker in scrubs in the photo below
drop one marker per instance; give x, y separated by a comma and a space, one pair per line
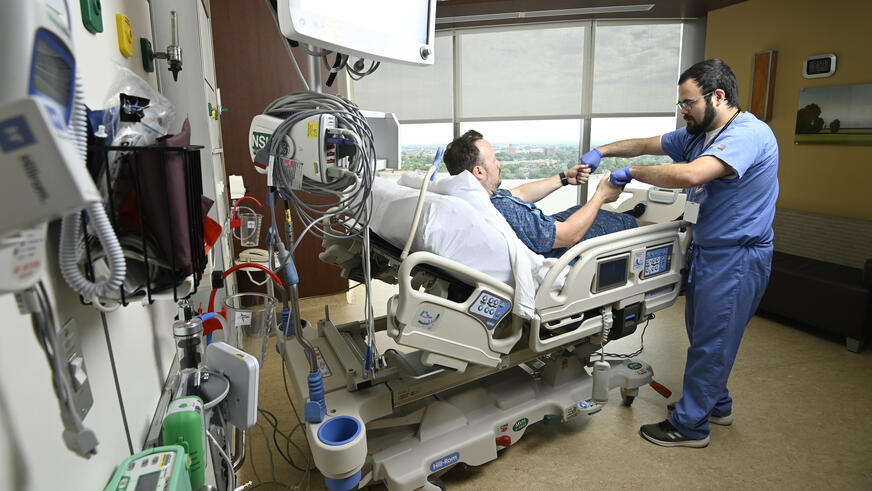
727, 160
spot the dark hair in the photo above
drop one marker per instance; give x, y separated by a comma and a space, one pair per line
711, 75
462, 154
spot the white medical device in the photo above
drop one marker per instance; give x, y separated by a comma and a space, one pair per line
387, 30
307, 142
240, 405
43, 175
43, 178
42, 149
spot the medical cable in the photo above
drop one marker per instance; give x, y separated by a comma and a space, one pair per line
71, 226
417, 216
641, 344
357, 70
299, 422
351, 184
231, 484
273, 422
117, 383
34, 301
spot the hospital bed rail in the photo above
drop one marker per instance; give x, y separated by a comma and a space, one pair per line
450, 335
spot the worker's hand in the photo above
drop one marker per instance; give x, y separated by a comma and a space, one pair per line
621, 177
591, 159
578, 174
606, 190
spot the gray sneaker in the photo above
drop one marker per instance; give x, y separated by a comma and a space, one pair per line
718, 419
666, 435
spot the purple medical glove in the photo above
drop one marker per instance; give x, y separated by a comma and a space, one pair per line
591, 159
621, 177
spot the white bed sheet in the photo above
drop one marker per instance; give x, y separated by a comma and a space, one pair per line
459, 222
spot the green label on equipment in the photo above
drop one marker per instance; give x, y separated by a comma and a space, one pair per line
258, 140
520, 424
634, 366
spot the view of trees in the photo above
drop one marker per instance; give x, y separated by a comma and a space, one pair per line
808, 119
530, 161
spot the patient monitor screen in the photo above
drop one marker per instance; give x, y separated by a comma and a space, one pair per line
611, 273
657, 261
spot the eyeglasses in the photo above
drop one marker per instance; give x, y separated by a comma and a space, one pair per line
685, 104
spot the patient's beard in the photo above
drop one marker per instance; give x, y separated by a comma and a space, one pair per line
695, 128
492, 183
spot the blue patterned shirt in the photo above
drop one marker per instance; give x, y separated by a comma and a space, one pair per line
538, 230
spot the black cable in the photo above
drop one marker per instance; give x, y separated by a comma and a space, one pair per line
637, 352
274, 424
338, 64
115, 378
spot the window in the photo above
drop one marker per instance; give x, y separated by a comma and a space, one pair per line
534, 149
635, 68
542, 94
419, 142
520, 72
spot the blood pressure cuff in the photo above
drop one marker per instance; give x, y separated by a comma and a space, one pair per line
166, 188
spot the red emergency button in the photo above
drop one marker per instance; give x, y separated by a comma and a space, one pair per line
504, 441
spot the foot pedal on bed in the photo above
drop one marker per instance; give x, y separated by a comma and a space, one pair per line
587, 406
630, 375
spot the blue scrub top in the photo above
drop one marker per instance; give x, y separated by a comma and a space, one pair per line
735, 210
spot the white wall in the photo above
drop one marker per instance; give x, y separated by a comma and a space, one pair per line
141, 336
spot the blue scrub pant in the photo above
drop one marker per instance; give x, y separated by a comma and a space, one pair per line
724, 288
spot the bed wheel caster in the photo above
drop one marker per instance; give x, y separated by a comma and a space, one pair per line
435, 481
628, 396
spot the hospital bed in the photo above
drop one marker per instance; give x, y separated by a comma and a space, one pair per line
472, 370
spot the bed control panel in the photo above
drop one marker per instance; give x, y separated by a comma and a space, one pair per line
658, 260
490, 309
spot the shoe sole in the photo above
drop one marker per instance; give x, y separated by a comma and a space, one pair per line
701, 443
718, 420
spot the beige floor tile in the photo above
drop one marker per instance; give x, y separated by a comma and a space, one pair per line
802, 406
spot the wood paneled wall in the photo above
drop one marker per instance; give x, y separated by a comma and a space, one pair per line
253, 69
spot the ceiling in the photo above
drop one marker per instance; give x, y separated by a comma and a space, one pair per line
465, 13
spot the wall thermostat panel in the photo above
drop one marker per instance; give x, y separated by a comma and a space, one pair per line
819, 66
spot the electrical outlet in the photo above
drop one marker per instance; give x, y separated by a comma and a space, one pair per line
92, 15
73, 368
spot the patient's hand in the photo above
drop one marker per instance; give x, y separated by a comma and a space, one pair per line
578, 174
608, 191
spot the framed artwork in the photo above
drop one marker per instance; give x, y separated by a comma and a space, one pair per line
840, 115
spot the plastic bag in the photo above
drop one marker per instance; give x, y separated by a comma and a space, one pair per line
135, 114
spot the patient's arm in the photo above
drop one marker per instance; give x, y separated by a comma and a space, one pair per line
536, 190
570, 231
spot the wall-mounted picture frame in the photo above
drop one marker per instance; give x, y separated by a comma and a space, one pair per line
838, 115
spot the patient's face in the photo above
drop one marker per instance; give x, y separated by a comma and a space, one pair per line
491, 166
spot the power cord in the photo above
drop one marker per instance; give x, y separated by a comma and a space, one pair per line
34, 301
641, 345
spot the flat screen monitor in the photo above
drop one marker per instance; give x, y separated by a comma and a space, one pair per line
385, 30
611, 272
